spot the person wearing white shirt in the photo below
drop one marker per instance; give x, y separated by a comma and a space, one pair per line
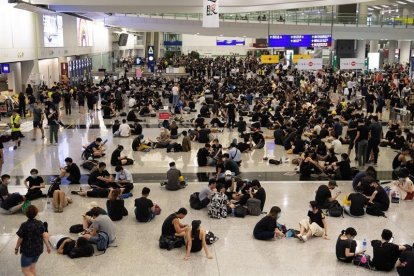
123, 179
235, 154
132, 102
175, 94
336, 145
124, 129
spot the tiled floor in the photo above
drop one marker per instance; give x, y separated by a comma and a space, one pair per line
236, 253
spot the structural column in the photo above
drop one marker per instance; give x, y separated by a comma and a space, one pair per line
405, 49
360, 50
373, 46
392, 46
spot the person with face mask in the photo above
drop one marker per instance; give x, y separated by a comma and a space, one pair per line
404, 185
9, 203
315, 225
266, 228
34, 183
53, 122
71, 171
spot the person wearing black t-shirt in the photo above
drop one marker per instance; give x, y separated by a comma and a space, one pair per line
115, 205
313, 226
266, 228
203, 135
385, 252
100, 177
231, 114
361, 140
9, 203
358, 205
259, 193
379, 197
71, 171
405, 265
323, 196
145, 209
172, 226
204, 158
34, 184
346, 246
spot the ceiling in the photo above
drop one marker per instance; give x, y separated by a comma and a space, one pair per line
183, 6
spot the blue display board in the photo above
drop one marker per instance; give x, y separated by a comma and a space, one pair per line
5, 68
291, 41
230, 42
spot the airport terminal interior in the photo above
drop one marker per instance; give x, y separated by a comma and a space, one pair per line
206, 137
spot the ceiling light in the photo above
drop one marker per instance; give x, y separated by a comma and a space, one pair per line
378, 8
370, 9
401, 2
385, 6
411, 1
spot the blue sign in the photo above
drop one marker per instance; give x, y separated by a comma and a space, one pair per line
138, 61
291, 41
150, 55
5, 68
173, 43
230, 42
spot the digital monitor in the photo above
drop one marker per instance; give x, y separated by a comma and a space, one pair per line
52, 31
85, 32
5, 68
292, 41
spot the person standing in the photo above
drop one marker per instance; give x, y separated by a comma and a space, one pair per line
375, 133
22, 104
361, 141
81, 101
67, 98
38, 117
15, 128
175, 95
32, 234
53, 122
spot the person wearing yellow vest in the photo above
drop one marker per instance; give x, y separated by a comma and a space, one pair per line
15, 128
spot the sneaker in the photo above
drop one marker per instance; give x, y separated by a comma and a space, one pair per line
18, 143
15, 147
45, 225
299, 236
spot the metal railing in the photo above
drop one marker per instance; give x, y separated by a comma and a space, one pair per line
299, 18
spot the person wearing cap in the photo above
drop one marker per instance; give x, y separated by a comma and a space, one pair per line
206, 193
71, 171
173, 179
195, 238
324, 197
15, 128
172, 226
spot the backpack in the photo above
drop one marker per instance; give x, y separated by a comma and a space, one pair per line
253, 207
373, 210
274, 162
195, 202
336, 210
240, 211
167, 242
90, 164
102, 243
211, 238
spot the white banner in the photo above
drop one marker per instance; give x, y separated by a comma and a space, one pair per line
210, 13
310, 64
352, 63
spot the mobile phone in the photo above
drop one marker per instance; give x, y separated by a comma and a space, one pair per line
391, 240
104, 142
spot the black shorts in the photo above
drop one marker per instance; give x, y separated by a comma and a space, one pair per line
97, 192
16, 135
37, 124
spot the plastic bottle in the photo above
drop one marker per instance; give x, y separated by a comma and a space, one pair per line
364, 245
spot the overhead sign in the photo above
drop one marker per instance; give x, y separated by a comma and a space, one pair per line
352, 63
300, 56
291, 41
5, 68
211, 14
151, 58
150, 50
310, 64
269, 59
230, 42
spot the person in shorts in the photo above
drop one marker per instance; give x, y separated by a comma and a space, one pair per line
38, 117
313, 226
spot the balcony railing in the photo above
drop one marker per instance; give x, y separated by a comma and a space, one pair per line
300, 18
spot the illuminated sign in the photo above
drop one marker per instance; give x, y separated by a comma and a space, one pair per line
290, 41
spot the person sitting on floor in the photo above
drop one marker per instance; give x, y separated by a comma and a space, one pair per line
145, 209
323, 196
266, 228
174, 179
9, 203
71, 171
195, 238
386, 253
404, 185
313, 226
219, 203
207, 193
118, 160
172, 227
115, 128
123, 179
59, 198
97, 222
124, 129
346, 246
96, 149
138, 144
379, 197
34, 183
355, 204
115, 205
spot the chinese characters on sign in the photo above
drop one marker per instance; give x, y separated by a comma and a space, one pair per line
290, 41
210, 13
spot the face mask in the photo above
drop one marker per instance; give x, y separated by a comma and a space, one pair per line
278, 215
34, 175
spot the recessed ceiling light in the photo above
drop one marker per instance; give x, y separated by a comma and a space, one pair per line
411, 1
378, 8
401, 2
371, 9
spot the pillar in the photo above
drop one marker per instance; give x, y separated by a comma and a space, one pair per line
392, 46
14, 78
360, 50
373, 46
362, 13
405, 49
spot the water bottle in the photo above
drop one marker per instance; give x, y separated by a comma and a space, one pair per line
364, 245
232, 212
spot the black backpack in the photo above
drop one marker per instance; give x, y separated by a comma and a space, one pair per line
240, 211
336, 210
195, 202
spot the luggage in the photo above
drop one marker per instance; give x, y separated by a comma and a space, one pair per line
336, 210
195, 202
253, 207
240, 211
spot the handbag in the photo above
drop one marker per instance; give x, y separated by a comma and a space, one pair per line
362, 260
